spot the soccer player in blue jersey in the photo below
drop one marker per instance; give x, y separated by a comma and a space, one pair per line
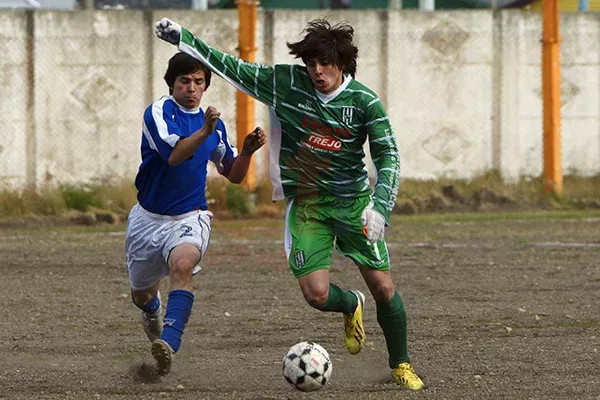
321, 118
168, 231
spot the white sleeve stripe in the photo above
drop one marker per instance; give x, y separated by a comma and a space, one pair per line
255, 82
373, 102
161, 125
274, 87
360, 91
225, 140
376, 121
388, 187
382, 139
148, 136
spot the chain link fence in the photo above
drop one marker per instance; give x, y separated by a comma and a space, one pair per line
462, 88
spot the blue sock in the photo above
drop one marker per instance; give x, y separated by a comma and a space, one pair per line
178, 312
151, 307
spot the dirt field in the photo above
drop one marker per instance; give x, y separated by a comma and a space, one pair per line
498, 309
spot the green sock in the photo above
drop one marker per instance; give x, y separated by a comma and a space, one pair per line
340, 300
392, 319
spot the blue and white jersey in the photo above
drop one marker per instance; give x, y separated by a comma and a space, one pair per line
167, 190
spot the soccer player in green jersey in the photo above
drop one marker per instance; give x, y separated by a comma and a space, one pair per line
320, 119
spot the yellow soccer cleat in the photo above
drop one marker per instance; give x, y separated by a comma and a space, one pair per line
404, 375
353, 324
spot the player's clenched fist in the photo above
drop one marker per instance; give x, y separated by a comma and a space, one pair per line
168, 31
211, 116
254, 141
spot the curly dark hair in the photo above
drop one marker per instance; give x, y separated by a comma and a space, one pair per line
182, 64
329, 44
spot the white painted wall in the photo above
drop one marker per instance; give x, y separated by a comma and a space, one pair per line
43, 4
462, 88
14, 84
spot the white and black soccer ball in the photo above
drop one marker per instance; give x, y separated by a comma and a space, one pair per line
307, 366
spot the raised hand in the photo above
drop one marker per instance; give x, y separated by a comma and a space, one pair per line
254, 141
168, 31
211, 116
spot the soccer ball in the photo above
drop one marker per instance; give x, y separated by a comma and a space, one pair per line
307, 366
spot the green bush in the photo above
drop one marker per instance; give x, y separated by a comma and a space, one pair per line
80, 198
46, 201
239, 200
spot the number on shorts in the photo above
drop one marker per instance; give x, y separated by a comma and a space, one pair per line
186, 229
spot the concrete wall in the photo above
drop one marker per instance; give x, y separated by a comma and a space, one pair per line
16, 85
462, 88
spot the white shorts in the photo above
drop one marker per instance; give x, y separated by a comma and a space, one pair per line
151, 237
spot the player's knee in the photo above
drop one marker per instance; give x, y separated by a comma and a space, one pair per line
182, 266
140, 299
383, 291
316, 299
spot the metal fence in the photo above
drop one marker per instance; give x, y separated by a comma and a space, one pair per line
463, 89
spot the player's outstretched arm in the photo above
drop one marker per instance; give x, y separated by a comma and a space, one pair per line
168, 30
253, 141
256, 80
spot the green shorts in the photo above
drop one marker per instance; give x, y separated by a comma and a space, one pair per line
314, 223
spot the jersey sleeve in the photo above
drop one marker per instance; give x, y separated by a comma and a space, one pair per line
256, 80
230, 152
160, 129
385, 156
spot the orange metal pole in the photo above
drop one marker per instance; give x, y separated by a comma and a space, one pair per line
247, 14
552, 177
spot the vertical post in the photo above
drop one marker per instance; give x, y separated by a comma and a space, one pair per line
30, 125
552, 177
583, 5
89, 4
247, 14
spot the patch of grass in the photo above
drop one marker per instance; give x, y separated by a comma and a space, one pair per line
527, 188
118, 195
109, 193
516, 215
238, 201
80, 198
46, 201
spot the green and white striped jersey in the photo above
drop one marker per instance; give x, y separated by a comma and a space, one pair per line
316, 141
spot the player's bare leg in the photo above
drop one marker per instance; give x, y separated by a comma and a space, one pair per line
149, 302
182, 261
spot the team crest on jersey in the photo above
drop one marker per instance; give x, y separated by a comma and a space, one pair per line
347, 114
299, 258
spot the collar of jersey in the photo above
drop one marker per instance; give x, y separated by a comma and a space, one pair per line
326, 98
185, 110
